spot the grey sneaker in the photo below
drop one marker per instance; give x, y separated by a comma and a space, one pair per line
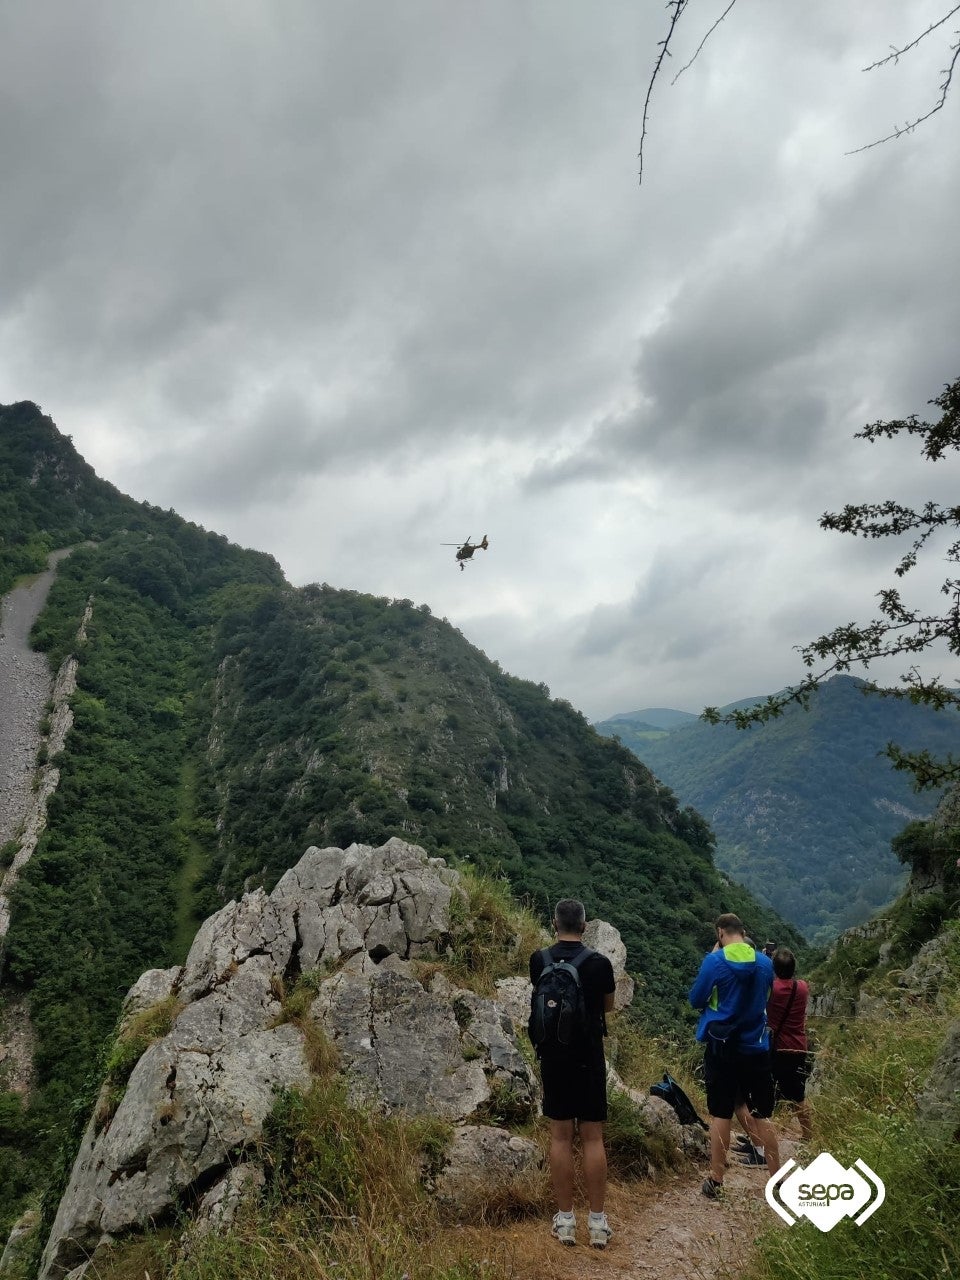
600, 1233
565, 1229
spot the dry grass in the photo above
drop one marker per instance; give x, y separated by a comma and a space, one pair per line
491, 936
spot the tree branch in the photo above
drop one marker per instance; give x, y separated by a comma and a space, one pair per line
704, 41
899, 132
896, 54
678, 7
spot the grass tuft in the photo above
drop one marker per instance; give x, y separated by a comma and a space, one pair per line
491, 936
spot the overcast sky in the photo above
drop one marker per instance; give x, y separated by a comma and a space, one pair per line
346, 281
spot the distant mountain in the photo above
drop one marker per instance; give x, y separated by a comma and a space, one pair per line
804, 807
636, 729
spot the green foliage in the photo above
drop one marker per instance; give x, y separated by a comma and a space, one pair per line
899, 631
469, 763
805, 807
99, 901
872, 1071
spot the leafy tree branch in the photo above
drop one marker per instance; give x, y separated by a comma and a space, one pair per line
898, 631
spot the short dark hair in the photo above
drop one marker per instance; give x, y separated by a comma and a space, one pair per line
730, 923
570, 916
784, 962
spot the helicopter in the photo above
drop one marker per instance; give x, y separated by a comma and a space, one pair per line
466, 549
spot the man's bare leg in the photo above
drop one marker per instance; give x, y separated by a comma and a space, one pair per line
561, 1163
594, 1163
806, 1124
719, 1145
749, 1124
771, 1146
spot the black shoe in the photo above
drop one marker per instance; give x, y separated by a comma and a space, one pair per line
744, 1143
711, 1189
753, 1156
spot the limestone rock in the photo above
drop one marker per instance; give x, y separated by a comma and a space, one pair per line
200, 1095
480, 1160
406, 1048
605, 938
193, 1109
20, 1233
219, 1206
928, 979
513, 997
149, 989
658, 1115
939, 1104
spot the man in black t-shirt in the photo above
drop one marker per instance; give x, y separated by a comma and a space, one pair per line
575, 1081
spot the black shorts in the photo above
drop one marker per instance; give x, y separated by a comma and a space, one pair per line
572, 1089
742, 1077
790, 1075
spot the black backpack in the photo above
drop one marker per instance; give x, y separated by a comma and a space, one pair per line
670, 1091
558, 1009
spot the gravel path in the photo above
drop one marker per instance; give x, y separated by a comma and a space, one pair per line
25, 684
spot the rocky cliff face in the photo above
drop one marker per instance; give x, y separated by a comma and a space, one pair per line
356, 922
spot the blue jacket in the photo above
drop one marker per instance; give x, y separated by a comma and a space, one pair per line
719, 988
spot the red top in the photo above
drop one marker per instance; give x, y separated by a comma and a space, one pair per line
792, 1034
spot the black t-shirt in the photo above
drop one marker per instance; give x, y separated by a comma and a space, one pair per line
596, 978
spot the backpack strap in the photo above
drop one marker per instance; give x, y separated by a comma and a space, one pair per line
547, 959
579, 958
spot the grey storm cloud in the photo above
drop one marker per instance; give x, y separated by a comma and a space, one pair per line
349, 280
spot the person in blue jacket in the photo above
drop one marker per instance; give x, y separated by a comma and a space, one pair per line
731, 991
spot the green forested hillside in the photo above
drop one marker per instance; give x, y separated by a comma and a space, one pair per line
49, 497
805, 807
225, 720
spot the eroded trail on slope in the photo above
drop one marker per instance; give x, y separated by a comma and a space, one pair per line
25, 685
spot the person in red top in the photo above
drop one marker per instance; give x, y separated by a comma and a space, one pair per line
787, 1020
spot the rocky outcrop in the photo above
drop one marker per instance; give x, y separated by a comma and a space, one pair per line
194, 1106
479, 1159
18, 1240
605, 938
939, 1104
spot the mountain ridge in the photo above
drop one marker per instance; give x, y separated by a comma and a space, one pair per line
224, 719
805, 807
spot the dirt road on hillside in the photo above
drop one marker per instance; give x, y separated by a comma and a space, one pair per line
25, 684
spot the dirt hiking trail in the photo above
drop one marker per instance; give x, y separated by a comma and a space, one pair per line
665, 1229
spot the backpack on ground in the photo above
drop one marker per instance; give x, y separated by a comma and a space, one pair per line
558, 1008
670, 1091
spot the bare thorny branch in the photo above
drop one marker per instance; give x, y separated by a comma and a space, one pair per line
677, 7
894, 56
703, 42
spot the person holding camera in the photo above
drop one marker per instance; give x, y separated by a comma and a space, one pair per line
731, 990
